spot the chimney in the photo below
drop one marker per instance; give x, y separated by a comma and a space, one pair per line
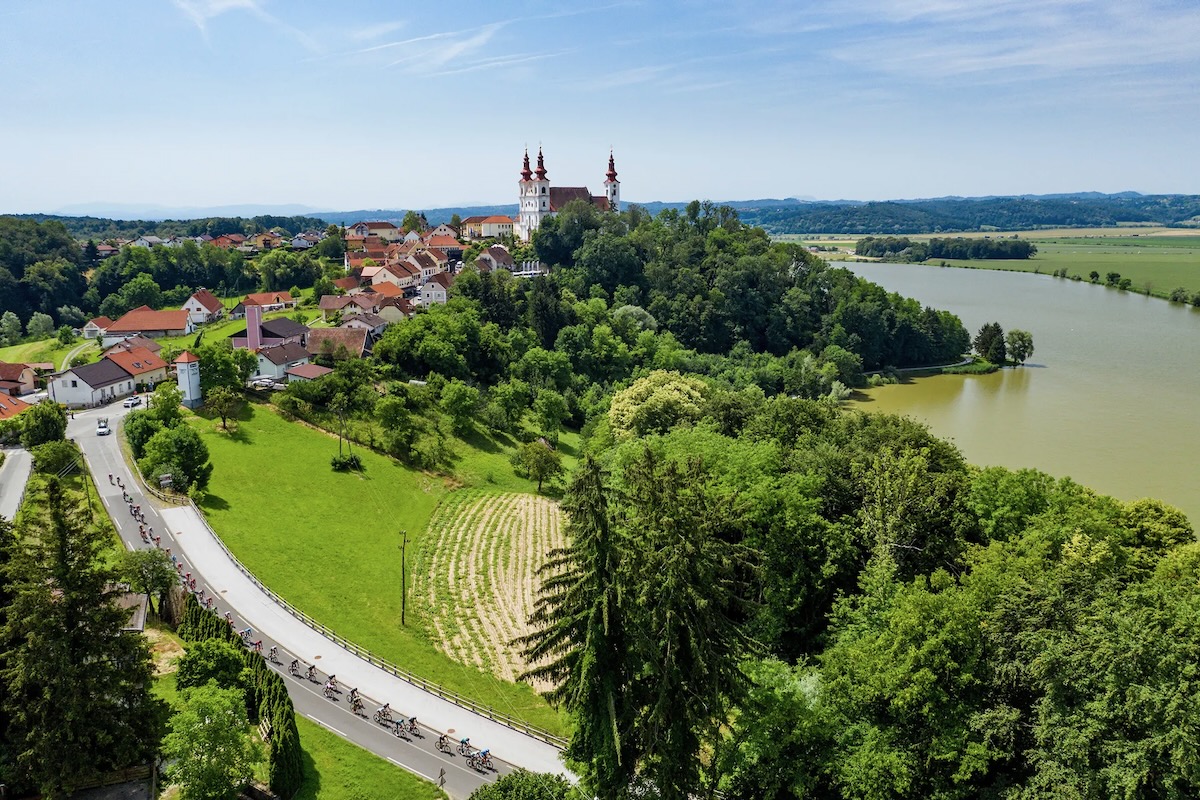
253, 327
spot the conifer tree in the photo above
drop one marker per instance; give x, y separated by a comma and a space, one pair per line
78, 687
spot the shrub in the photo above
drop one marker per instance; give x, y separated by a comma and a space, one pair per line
345, 463
53, 457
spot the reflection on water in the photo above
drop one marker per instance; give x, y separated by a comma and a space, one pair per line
1109, 397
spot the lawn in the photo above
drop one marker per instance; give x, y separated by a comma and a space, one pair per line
329, 542
47, 350
335, 769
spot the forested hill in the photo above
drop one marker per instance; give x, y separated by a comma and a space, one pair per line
971, 214
102, 228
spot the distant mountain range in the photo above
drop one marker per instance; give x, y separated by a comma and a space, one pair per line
786, 215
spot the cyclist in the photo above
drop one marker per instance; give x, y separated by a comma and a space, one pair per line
353, 695
464, 746
312, 672
443, 743
110, 479
294, 667
412, 724
329, 691
333, 682
385, 712
273, 653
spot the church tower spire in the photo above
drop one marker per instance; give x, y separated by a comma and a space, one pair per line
534, 205
526, 173
541, 167
612, 186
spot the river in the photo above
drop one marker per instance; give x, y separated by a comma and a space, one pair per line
1109, 398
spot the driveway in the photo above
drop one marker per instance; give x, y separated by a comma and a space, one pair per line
14, 474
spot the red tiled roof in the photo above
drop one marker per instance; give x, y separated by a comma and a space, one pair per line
145, 318
11, 371
268, 298
561, 195
353, 339
310, 371
443, 241
207, 299
186, 358
346, 283
388, 289
11, 406
498, 220
100, 322
137, 361
442, 279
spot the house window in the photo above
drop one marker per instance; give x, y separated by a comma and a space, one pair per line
74, 384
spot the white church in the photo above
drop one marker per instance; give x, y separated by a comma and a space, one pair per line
539, 200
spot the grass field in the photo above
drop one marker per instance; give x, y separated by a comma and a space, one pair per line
221, 330
477, 574
47, 350
329, 542
1154, 265
335, 769
1156, 260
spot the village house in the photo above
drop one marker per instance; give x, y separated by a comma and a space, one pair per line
267, 301
441, 230
147, 369
347, 283
258, 334
372, 323
338, 343
134, 342
273, 362
435, 290
496, 226
303, 241
384, 230
346, 304
394, 309
91, 384
147, 241
401, 275
11, 406
203, 306
266, 240
495, 257
145, 321
17, 379
307, 372
96, 327
104, 250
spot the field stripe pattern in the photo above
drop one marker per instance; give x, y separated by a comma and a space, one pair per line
481, 577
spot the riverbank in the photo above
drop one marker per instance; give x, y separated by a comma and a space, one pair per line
1107, 399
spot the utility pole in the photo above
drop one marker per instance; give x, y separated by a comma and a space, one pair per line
403, 574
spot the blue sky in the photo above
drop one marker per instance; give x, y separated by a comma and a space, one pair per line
361, 104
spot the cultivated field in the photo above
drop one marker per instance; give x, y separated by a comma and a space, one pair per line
479, 574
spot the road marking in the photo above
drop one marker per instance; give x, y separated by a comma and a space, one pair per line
416, 772
326, 725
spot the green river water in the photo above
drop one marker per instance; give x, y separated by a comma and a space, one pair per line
1111, 396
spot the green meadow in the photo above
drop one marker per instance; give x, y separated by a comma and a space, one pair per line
329, 542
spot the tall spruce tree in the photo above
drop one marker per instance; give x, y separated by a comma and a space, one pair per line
78, 687
580, 644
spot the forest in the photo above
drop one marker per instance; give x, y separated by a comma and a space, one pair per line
900, 248
974, 214
44, 270
102, 228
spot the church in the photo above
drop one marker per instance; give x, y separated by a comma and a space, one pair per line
539, 200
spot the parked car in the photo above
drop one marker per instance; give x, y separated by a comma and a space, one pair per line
102, 428
133, 401
263, 383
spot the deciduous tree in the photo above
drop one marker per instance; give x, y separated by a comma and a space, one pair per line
209, 747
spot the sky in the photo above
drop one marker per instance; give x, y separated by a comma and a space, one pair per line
370, 104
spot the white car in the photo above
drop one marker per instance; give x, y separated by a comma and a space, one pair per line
131, 402
102, 428
263, 383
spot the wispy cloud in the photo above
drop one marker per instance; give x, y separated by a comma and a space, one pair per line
375, 30
496, 63
429, 59
201, 11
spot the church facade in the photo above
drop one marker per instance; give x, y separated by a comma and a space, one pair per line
538, 200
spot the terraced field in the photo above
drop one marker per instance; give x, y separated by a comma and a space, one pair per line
478, 574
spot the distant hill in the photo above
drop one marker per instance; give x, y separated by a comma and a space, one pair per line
786, 215
156, 213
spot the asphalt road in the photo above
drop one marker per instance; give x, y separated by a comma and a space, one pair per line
14, 474
415, 754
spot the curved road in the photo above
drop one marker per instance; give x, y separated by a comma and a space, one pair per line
189, 540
